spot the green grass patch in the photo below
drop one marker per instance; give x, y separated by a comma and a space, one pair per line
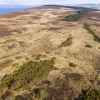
91, 95
89, 46
68, 42
72, 65
32, 70
19, 57
90, 31
16, 64
6, 64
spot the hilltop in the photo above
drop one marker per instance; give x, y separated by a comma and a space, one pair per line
45, 58
92, 6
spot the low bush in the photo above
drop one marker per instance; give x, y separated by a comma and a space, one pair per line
6, 64
19, 57
10, 40
19, 97
12, 46
27, 58
15, 64
72, 65
68, 42
40, 56
21, 42
91, 95
89, 46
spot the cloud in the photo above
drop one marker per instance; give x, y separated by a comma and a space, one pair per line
43, 2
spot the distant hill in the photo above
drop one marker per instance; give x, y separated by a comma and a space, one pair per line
93, 6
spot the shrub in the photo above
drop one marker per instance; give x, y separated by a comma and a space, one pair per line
16, 64
47, 52
19, 97
19, 57
10, 40
12, 46
72, 65
38, 57
68, 42
21, 42
6, 64
27, 58
89, 46
91, 95
33, 55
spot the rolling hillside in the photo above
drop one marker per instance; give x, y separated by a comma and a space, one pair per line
45, 58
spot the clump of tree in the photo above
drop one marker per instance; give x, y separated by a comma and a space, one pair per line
90, 31
68, 42
77, 16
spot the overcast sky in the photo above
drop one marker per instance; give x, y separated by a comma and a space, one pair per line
43, 2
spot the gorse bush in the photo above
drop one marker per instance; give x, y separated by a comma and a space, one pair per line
12, 46
29, 71
19, 97
72, 65
27, 58
10, 40
21, 42
90, 31
6, 64
40, 56
68, 42
89, 46
19, 57
91, 95
15, 64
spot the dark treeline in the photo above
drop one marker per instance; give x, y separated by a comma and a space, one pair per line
77, 16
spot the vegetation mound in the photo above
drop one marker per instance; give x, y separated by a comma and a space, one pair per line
31, 71
90, 31
68, 42
91, 95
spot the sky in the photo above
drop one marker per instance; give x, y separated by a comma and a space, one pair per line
44, 2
